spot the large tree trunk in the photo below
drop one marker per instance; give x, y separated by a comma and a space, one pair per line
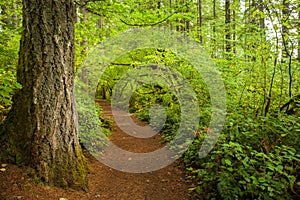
41, 129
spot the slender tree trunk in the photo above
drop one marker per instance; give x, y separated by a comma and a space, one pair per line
287, 52
214, 29
262, 22
83, 20
187, 22
182, 22
234, 26
200, 21
41, 129
285, 29
298, 56
257, 22
15, 17
247, 19
227, 26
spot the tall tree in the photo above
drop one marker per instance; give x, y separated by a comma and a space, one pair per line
298, 56
41, 129
214, 32
200, 20
234, 16
181, 22
285, 29
227, 24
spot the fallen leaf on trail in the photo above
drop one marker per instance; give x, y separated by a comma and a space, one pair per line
3, 165
18, 197
192, 189
2, 169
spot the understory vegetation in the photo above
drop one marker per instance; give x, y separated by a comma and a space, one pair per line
255, 47
256, 156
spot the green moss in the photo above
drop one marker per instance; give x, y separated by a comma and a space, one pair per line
80, 174
62, 183
73, 175
70, 174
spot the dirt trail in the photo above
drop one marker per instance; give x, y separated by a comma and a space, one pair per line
106, 183
167, 183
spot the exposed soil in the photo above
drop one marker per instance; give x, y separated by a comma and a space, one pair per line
106, 183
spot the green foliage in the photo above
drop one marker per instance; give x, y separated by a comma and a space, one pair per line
9, 44
266, 132
255, 159
7, 86
92, 132
235, 170
257, 156
148, 95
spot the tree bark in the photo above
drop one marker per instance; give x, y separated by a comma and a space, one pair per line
41, 129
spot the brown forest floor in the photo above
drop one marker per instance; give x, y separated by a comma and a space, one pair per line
106, 183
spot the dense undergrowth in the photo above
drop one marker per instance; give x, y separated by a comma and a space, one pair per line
254, 158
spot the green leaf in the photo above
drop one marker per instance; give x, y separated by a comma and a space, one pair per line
228, 162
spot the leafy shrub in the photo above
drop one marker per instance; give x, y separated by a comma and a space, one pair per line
7, 86
9, 46
91, 136
243, 166
264, 133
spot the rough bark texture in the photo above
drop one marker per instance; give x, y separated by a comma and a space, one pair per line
41, 129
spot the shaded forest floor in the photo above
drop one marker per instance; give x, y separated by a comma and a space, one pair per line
106, 183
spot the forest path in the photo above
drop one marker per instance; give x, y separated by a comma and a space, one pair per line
105, 183
164, 184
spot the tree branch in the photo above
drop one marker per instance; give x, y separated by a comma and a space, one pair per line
161, 21
150, 24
